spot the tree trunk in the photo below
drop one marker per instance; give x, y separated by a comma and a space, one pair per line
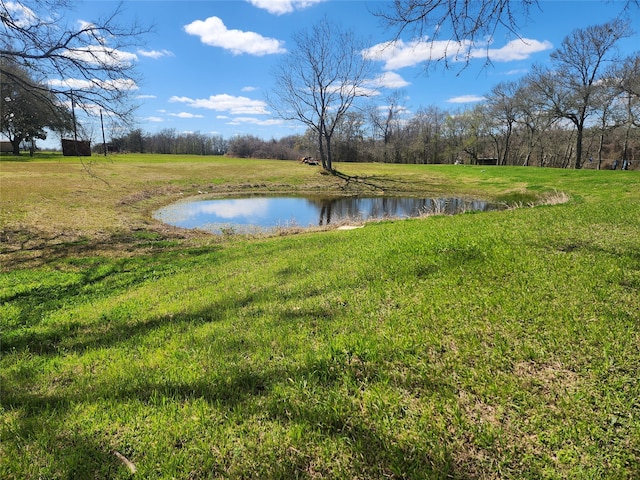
321, 151
15, 143
600, 147
566, 160
507, 140
625, 148
579, 148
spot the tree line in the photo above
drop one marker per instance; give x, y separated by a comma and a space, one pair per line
582, 110
169, 141
584, 105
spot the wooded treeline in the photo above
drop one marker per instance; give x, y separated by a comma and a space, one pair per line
167, 141
582, 110
511, 127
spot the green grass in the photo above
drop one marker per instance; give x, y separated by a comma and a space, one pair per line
486, 345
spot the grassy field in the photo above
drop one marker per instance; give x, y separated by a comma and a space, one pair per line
502, 344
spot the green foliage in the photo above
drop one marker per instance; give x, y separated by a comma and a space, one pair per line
499, 344
27, 108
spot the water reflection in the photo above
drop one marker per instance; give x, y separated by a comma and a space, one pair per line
245, 215
396, 207
229, 209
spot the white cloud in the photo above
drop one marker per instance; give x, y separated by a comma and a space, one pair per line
255, 121
233, 208
142, 97
180, 99
517, 71
102, 55
519, 49
249, 89
155, 53
280, 7
23, 16
96, 83
186, 115
400, 112
213, 32
91, 31
84, 25
154, 119
119, 84
390, 80
226, 103
365, 91
75, 83
466, 99
398, 54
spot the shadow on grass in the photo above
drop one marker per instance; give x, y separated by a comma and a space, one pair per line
20, 248
235, 387
69, 455
378, 452
76, 337
41, 412
89, 279
379, 183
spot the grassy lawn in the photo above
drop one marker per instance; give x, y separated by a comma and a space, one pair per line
501, 344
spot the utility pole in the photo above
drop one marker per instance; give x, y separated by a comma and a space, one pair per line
75, 128
73, 115
104, 142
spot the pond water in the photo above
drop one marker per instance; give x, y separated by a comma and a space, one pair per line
256, 214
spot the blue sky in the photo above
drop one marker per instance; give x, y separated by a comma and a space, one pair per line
207, 65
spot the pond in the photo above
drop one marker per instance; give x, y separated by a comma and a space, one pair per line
260, 214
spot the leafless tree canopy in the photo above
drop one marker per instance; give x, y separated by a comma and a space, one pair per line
468, 19
580, 72
628, 73
91, 58
462, 20
458, 20
319, 80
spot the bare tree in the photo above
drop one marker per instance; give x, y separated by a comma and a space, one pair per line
319, 81
610, 109
532, 113
581, 63
88, 63
626, 77
629, 75
429, 123
502, 113
385, 119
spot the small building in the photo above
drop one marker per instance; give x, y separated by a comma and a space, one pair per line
76, 148
487, 161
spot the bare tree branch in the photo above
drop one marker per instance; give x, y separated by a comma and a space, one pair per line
94, 59
461, 22
318, 82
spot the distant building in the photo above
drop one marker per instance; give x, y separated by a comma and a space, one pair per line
487, 161
76, 148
